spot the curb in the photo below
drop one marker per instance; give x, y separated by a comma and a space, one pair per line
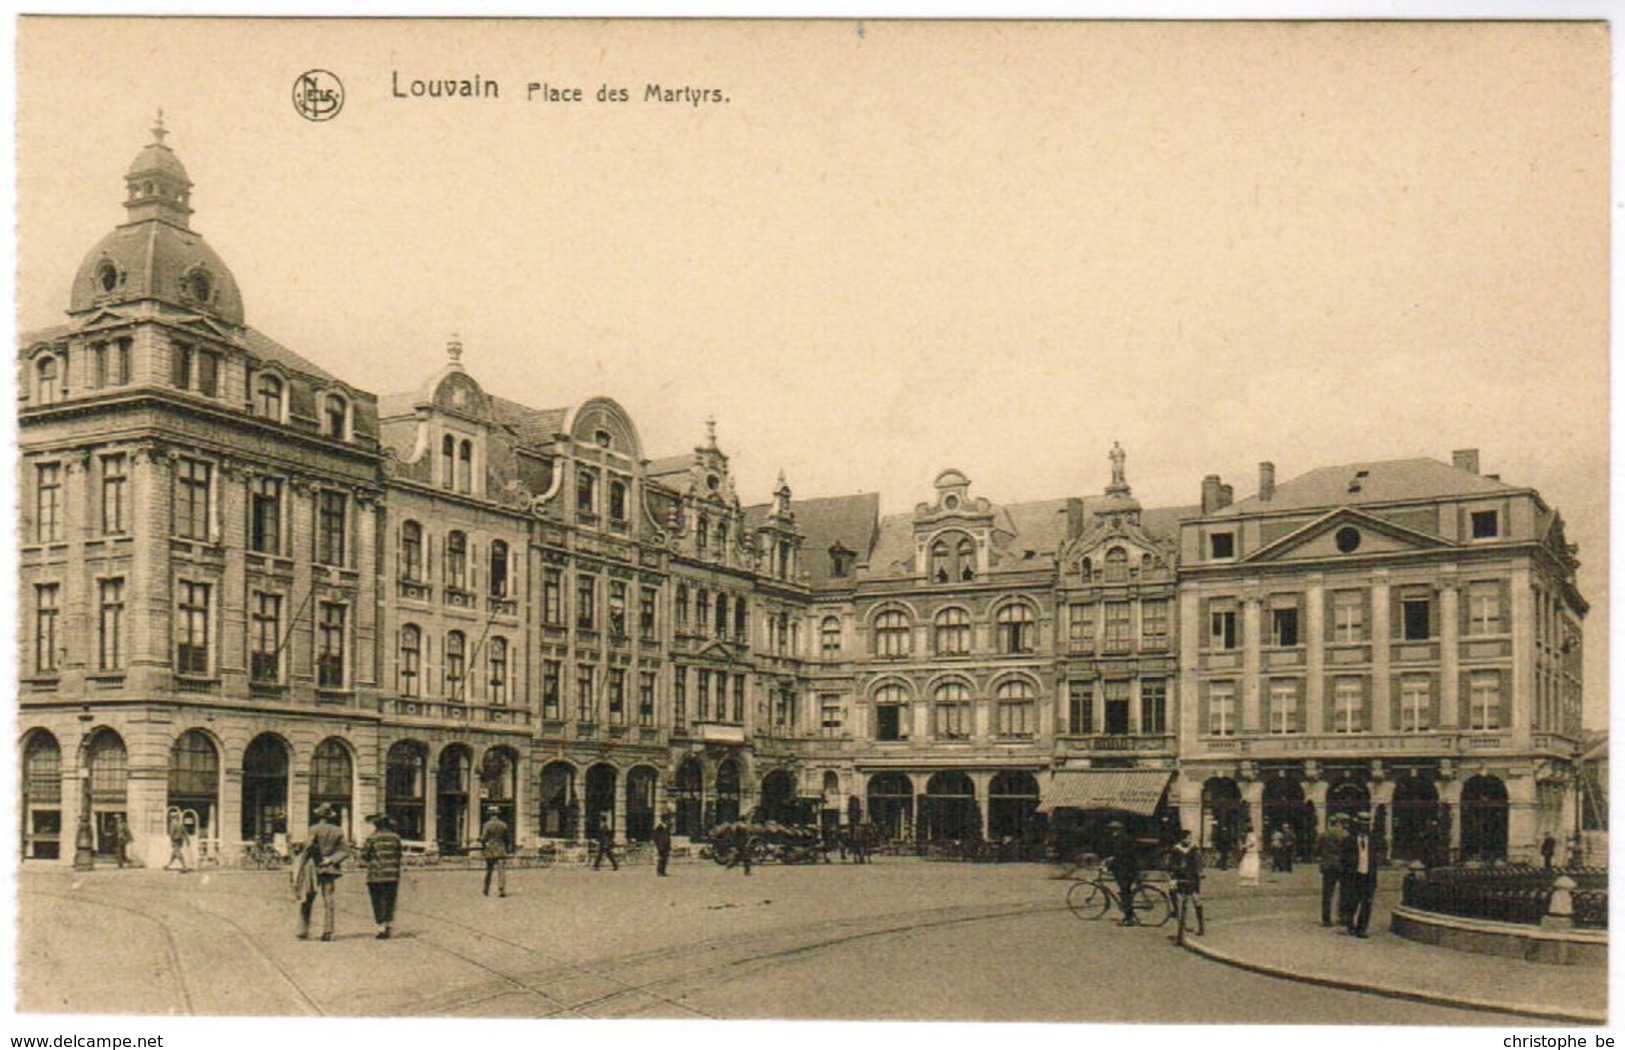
1575, 1016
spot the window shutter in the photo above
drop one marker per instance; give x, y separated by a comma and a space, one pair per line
1464, 610
1394, 686
1435, 698
1366, 712
1328, 704
1396, 614
1434, 612
1464, 700
1300, 713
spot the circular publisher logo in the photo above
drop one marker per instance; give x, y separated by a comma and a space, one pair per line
318, 95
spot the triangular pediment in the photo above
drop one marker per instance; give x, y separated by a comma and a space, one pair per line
1347, 533
202, 324
717, 651
101, 318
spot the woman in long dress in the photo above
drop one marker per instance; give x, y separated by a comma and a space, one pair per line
1250, 860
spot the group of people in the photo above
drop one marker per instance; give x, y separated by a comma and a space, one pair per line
1349, 861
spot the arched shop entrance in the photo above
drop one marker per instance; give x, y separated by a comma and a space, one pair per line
949, 810
1418, 820
779, 797
499, 781
727, 806
640, 803
42, 797
1483, 818
1226, 814
194, 783
891, 804
1012, 807
406, 775
556, 801
600, 798
453, 829
109, 775
1286, 810
686, 796
330, 781
265, 790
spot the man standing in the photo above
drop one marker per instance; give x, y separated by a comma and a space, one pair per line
1185, 866
1363, 852
1548, 846
1124, 865
177, 841
662, 840
122, 836
1332, 845
494, 848
382, 854
326, 852
741, 844
606, 845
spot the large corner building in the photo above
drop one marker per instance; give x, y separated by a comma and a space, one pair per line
249, 588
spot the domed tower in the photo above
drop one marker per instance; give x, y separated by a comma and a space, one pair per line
154, 256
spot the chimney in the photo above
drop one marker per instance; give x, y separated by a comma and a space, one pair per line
1227, 495
1266, 481
1466, 459
1210, 494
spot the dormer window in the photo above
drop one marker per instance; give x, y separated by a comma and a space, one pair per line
197, 286
586, 492
335, 417
268, 397
603, 439
465, 466
47, 384
617, 501
448, 462
107, 275
967, 559
1222, 545
1116, 565
1486, 525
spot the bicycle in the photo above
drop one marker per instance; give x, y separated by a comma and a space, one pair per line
1094, 897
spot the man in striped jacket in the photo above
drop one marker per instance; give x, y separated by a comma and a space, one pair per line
382, 855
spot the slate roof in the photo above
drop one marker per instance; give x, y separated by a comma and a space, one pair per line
42, 335
665, 466
268, 349
533, 426
1384, 481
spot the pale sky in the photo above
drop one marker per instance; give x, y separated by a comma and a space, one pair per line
902, 247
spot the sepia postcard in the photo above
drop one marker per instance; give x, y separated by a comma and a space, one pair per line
875, 520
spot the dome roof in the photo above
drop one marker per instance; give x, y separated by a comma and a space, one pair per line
155, 260
155, 157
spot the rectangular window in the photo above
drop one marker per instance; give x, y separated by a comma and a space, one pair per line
617, 607
330, 530
1485, 525
48, 503
411, 671
1283, 701
586, 602
1081, 624
646, 612
1015, 719
552, 677
330, 646
267, 639
1221, 709
1348, 705
1116, 704
118, 363
586, 702
702, 695
208, 373
47, 607
1484, 700
1080, 707
98, 365
1348, 617
1119, 636
1154, 623
646, 698
1416, 614
553, 597
1484, 607
679, 698
1222, 545
265, 516
115, 494
110, 626
1415, 703
192, 629
953, 720
1153, 706
739, 698
192, 481
830, 720
1284, 626
180, 366
1222, 627
889, 722
617, 696
496, 669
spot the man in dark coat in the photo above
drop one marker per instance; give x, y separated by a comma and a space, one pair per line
327, 851
606, 846
494, 848
740, 839
662, 840
1362, 854
1185, 866
1124, 864
1548, 846
1332, 846
382, 855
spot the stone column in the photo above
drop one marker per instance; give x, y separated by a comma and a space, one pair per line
1449, 652
1252, 792
1523, 815
1251, 660
1315, 656
1449, 787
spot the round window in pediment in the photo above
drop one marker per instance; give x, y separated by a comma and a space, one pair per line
1348, 539
951, 502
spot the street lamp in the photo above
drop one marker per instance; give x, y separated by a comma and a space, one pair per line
84, 846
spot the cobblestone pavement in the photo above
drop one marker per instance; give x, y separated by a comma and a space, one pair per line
899, 939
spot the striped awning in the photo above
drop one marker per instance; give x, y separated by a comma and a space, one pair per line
1125, 790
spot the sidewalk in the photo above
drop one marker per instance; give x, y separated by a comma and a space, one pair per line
1285, 939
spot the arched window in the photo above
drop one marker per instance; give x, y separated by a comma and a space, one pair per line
411, 668
455, 665
1016, 629
336, 416
702, 610
741, 630
499, 569
411, 550
465, 467
617, 501
497, 664
966, 553
47, 386
722, 539
682, 606
1116, 565
702, 533
722, 616
586, 492
951, 711
891, 713
448, 461
892, 633
829, 635
952, 632
268, 397
1015, 709
457, 561
939, 562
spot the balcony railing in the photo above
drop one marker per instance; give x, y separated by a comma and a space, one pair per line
1377, 745
443, 711
1106, 743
